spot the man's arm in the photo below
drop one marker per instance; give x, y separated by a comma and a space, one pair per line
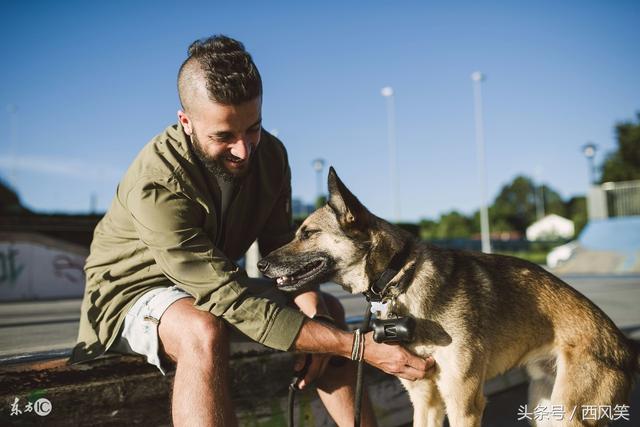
169, 223
315, 337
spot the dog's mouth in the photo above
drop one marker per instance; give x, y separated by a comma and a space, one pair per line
302, 277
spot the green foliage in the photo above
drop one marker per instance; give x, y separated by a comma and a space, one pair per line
515, 207
321, 201
450, 226
577, 212
624, 163
428, 229
454, 225
9, 200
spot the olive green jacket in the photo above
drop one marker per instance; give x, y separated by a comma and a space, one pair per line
163, 228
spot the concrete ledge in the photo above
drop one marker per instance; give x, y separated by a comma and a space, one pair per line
125, 390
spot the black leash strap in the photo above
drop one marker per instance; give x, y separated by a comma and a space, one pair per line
364, 328
293, 387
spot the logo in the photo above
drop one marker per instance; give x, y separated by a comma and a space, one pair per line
42, 407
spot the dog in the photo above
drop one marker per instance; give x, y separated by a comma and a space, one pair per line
477, 315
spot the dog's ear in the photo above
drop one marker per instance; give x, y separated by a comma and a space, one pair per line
351, 213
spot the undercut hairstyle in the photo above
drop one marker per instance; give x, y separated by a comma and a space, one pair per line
227, 69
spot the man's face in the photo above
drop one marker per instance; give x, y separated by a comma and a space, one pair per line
224, 136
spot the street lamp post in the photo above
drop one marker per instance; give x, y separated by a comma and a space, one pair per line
477, 78
387, 92
589, 151
318, 166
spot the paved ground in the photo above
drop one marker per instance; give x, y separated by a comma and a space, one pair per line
52, 325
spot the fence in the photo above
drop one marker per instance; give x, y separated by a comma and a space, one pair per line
614, 199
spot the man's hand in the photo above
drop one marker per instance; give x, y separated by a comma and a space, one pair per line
315, 337
315, 369
396, 360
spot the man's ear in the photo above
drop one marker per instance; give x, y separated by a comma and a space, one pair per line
350, 212
186, 123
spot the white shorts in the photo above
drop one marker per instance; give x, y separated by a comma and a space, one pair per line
139, 333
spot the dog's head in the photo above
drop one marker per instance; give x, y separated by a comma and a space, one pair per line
332, 244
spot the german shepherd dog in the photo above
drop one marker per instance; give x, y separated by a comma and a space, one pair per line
477, 315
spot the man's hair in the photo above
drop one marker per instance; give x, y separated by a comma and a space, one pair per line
227, 69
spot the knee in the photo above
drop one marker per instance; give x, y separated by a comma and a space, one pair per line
204, 335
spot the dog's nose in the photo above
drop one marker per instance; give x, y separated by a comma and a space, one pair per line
263, 265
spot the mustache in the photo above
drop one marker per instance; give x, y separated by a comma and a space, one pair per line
234, 158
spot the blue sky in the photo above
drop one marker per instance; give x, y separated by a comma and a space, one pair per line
94, 81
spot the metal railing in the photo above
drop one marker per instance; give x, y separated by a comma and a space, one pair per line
613, 199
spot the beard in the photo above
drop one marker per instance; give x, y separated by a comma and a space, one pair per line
215, 165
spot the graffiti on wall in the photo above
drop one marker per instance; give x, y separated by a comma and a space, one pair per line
69, 268
10, 268
34, 270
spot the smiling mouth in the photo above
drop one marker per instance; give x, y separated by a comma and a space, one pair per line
235, 161
302, 276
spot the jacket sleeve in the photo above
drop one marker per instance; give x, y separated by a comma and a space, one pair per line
278, 229
170, 225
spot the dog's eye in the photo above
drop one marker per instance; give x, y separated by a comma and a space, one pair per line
305, 234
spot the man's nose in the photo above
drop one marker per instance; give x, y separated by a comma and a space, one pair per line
241, 149
263, 265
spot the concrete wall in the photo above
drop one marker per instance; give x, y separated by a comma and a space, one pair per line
36, 267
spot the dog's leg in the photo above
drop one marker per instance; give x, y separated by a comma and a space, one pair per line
542, 375
584, 381
428, 406
460, 384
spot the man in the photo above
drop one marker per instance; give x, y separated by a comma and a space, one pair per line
160, 277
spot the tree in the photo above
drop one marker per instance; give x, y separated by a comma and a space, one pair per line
453, 225
428, 229
9, 200
515, 207
577, 212
624, 163
321, 201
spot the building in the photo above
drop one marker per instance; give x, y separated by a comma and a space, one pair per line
551, 227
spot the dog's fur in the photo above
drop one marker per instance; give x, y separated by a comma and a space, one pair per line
478, 315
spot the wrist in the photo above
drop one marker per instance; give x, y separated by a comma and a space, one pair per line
324, 318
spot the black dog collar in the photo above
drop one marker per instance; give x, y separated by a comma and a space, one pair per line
378, 289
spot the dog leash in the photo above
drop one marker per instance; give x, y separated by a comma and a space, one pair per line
293, 387
299, 375
364, 328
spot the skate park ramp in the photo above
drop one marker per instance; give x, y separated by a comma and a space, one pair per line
607, 246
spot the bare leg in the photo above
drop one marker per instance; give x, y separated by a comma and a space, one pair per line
337, 386
199, 343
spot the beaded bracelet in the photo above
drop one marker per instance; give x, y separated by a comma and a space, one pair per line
357, 349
